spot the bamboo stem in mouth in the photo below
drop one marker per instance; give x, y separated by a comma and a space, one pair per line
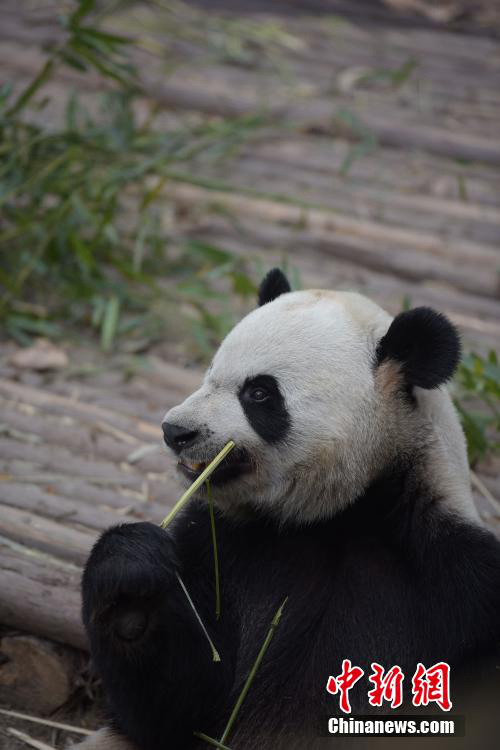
197, 484
205, 474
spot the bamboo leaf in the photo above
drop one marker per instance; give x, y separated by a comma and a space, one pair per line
86, 6
110, 323
33, 87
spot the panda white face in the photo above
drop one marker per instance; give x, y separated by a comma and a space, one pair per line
321, 393
293, 386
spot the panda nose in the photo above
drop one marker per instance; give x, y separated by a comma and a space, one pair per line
177, 437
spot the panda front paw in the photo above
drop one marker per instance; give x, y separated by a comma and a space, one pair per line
130, 569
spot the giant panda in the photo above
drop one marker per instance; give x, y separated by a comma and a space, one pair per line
347, 492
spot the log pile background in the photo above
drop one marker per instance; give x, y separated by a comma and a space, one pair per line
378, 170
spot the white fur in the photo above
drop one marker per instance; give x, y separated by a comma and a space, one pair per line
348, 419
104, 739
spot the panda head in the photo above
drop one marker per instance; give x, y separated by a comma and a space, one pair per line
320, 391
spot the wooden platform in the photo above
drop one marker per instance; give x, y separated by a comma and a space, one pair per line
376, 167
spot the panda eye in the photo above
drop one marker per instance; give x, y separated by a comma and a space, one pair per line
259, 394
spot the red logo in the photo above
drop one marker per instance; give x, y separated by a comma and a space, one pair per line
428, 685
343, 683
432, 685
388, 687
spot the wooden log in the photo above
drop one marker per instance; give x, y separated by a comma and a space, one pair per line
422, 213
101, 493
58, 459
408, 172
31, 60
411, 255
37, 565
449, 72
388, 127
434, 139
325, 220
46, 535
38, 602
92, 441
477, 315
113, 399
72, 407
320, 114
180, 380
39, 502
37, 676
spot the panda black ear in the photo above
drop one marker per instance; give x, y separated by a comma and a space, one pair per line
425, 344
272, 285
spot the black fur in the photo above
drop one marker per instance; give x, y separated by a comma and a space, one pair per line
392, 579
269, 418
132, 569
273, 285
425, 343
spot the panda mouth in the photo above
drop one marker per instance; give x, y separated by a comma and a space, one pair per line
232, 467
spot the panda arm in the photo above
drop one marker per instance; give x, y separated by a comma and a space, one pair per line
156, 665
462, 575
455, 566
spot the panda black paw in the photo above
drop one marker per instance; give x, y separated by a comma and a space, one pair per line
130, 569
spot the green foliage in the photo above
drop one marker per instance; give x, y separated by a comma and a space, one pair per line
365, 141
82, 233
243, 42
394, 77
477, 398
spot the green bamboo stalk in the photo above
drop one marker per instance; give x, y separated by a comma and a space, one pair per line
178, 506
197, 484
216, 553
215, 653
248, 683
211, 741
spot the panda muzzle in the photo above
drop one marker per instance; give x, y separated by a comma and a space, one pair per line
237, 463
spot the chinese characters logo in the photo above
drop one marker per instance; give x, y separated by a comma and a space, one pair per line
430, 685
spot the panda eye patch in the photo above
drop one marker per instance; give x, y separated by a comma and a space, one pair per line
259, 389
264, 407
